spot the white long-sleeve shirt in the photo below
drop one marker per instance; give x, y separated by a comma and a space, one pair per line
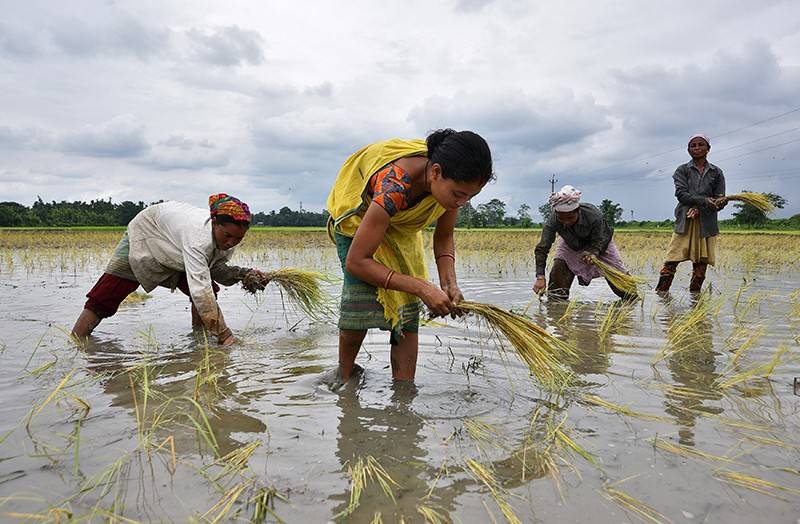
171, 238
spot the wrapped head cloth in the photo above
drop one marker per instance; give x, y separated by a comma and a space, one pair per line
565, 200
699, 135
224, 204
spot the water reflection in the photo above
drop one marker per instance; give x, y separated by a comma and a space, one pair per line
692, 363
173, 380
394, 435
581, 325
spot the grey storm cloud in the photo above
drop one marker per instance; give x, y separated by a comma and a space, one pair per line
661, 101
471, 5
226, 46
180, 152
121, 137
20, 138
515, 119
18, 43
120, 34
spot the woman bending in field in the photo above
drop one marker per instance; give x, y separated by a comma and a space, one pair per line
175, 245
584, 233
700, 190
383, 197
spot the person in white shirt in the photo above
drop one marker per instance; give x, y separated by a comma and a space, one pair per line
175, 245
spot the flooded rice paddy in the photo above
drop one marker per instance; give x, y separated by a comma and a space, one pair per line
682, 408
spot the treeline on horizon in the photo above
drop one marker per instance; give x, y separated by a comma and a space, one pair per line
492, 214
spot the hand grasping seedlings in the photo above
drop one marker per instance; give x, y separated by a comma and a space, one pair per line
303, 288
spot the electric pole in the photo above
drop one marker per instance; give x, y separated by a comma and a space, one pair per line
553, 181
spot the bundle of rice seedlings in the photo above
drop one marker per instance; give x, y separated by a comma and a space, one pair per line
759, 201
302, 287
542, 352
622, 281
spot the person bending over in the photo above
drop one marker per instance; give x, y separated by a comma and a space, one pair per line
584, 233
175, 245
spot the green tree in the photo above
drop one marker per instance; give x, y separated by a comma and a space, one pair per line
545, 210
747, 215
524, 215
466, 216
492, 213
612, 211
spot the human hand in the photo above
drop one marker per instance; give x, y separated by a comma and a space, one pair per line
454, 292
437, 300
539, 284
228, 341
255, 280
587, 258
722, 202
712, 203
692, 213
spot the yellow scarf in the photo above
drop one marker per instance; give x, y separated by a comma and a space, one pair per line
401, 247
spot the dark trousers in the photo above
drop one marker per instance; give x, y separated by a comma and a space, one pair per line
110, 290
667, 274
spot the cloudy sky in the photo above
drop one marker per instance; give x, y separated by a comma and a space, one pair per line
265, 99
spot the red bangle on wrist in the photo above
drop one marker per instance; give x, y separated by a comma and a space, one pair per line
445, 255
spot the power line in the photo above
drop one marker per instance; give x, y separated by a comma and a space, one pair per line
716, 151
656, 155
760, 150
759, 122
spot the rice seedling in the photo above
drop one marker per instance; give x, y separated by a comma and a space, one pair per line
54, 515
752, 483
572, 308
136, 297
376, 518
49, 398
481, 432
688, 451
759, 201
541, 351
616, 315
749, 337
264, 504
622, 410
115, 476
623, 281
487, 478
302, 287
431, 515
759, 371
235, 461
685, 332
362, 470
635, 506
220, 511
769, 441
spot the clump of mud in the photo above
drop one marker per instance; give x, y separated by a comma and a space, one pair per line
253, 282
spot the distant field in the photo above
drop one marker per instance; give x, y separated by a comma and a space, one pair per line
736, 231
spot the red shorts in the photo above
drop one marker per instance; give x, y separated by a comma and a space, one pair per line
109, 292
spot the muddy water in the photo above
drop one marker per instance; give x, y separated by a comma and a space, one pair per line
89, 431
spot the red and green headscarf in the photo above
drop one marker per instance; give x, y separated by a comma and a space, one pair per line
224, 204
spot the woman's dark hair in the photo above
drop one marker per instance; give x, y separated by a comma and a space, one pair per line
463, 155
227, 219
